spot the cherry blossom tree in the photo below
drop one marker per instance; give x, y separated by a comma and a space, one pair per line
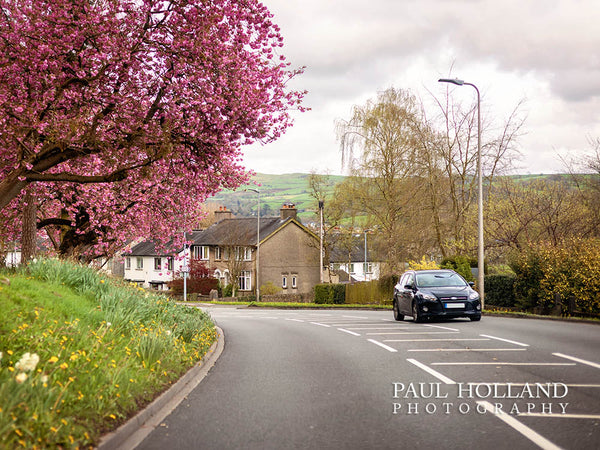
119, 117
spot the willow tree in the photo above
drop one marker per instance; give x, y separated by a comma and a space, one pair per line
379, 144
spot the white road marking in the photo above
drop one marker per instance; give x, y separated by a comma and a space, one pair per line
321, 324
533, 436
443, 328
505, 340
419, 332
355, 317
430, 371
378, 328
434, 340
349, 332
562, 416
382, 345
295, 320
582, 361
498, 364
467, 350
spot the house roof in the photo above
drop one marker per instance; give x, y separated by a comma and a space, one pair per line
238, 231
339, 253
235, 231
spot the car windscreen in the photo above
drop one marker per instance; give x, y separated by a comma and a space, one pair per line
439, 280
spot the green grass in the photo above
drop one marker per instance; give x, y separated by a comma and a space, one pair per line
105, 349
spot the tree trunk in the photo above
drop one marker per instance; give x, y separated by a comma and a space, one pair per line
29, 230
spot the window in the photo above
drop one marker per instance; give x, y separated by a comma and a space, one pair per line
284, 281
245, 280
294, 281
139, 263
170, 264
201, 252
243, 253
352, 270
157, 263
368, 267
128, 263
218, 253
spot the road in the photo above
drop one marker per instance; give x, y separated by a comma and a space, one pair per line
342, 379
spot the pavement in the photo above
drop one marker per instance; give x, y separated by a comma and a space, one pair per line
134, 431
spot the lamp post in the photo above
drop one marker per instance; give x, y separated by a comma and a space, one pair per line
365, 266
257, 244
480, 251
321, 205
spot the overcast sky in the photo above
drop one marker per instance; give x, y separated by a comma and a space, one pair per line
546, 52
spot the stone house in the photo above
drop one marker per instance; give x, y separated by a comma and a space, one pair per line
289, 254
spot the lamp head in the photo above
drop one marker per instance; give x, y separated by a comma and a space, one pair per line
452, 80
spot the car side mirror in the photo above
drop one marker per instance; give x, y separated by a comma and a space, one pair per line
471, 283
409, 286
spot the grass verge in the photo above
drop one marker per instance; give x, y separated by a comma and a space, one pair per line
80, 353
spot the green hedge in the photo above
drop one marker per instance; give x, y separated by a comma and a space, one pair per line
330, 294
372, 292
500, 290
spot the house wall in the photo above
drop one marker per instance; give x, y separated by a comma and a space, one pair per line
148, 273
290, 252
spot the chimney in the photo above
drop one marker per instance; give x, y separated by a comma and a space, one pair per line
222, 213
288, 210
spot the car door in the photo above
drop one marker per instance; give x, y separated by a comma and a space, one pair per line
406, 294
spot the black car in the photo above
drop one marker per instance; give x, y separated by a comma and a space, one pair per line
425, 294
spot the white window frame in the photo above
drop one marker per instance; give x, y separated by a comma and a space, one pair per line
157, 267
284, 281
245, 280
139, 263
201, 252
294, 281
217, 253
128, 263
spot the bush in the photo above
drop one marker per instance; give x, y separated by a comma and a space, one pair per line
330, 294
200, 280
269, 289
571, 269
500, 290
460, 264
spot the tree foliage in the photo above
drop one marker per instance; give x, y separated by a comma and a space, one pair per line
122, 115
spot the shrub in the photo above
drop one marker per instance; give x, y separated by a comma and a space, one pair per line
330, 293
461, 264
200, 280
424, 264
571, 269
500, 290
269, 289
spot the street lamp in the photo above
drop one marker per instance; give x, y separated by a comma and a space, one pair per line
321, 206
480, 255
365, 266
257, 244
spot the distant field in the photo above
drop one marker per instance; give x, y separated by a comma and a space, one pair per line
275, 190
293, 187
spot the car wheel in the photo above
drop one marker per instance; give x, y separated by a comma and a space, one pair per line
475, 319
415, 313
399, 317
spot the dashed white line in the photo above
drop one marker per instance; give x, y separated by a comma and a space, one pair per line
534, 437
435, 340
498, 363
295, 320
505, 340
582, 361
382, 345
467, 350
349, 332
321, 324
429, 370
443, 328
418, 332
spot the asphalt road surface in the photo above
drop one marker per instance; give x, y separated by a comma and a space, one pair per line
313, 379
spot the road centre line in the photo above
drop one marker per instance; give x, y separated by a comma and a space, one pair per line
349, 332
321, 324
430, 371
562, 416
582, 361
418, 332
382, 345
443, 328
499, 364
355, 317
295, 320
377, 328
533, 436
467, 350
434, 340
505, 340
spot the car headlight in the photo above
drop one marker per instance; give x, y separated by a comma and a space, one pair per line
473, 296
429, 298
